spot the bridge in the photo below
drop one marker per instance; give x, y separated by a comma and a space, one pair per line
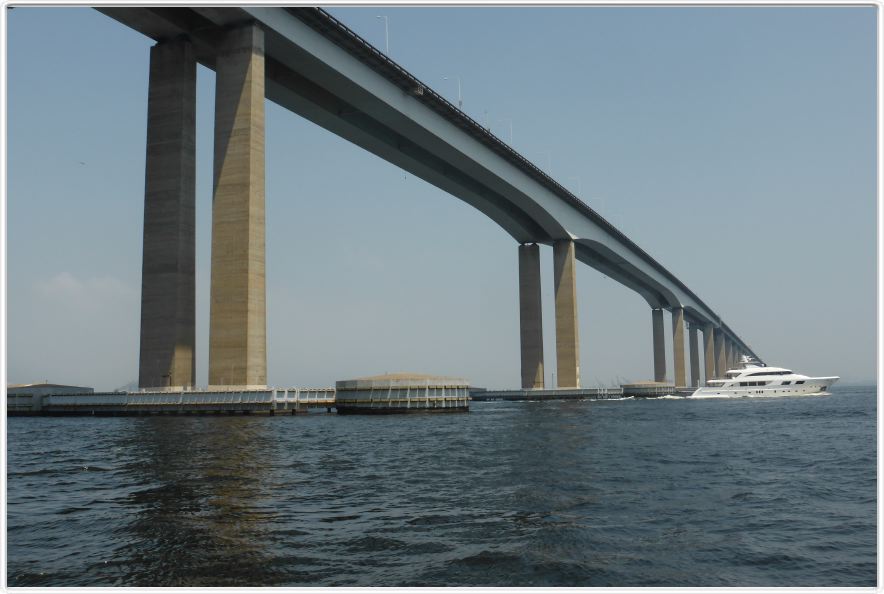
310, 63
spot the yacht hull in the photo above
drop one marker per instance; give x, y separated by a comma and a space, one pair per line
812, 386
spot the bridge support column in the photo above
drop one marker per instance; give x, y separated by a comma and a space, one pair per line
168, 287
729, 353
659, 345
678, 345
530, 316
694, 354
567, 343
708, 354
720, 363
237, 325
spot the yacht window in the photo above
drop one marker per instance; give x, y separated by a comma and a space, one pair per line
786, 383
744, 383
800, 382
770, 373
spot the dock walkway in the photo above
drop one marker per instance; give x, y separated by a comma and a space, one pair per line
233, 401
551, 394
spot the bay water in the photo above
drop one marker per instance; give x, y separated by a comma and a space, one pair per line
651, 492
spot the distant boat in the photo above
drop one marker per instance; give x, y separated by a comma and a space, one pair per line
761, 381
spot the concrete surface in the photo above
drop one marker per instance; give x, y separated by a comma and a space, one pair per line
659, 345
567, 342
530, 316
678, 345
237, 325
168, 289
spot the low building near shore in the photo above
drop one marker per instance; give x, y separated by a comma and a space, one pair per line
28, 398
402, 393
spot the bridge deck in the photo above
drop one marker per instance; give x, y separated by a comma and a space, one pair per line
323, 71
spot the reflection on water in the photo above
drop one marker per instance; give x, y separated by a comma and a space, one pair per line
202, 512
629, 493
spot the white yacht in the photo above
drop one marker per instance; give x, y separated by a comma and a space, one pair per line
761, 381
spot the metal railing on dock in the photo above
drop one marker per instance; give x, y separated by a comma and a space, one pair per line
548, 394
229, 400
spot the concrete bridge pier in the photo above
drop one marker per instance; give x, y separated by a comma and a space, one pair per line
168, 287
720, 363
659, 345
530, 316
567, 342
694, 354
708, 354
678, 345
237, 318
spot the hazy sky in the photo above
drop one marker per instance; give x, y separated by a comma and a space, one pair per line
735, 145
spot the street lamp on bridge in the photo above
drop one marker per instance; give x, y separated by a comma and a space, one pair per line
459, 93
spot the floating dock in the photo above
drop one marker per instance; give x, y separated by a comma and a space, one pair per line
550, 394
269, 401
355, 398
641, 390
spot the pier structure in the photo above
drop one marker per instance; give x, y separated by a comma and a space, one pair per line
402, 393
375, 395
313, 65
177, 401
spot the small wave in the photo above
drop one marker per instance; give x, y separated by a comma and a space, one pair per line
290, 532
38, 472
72, 510
423, 548
487, 558
781, 560
340, 518
429, 520
373, 544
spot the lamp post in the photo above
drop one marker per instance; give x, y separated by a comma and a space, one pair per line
386, 33
459, 93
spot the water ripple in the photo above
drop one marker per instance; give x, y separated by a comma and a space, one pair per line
631, 493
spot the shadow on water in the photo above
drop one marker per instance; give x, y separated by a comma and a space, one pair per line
197, 504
